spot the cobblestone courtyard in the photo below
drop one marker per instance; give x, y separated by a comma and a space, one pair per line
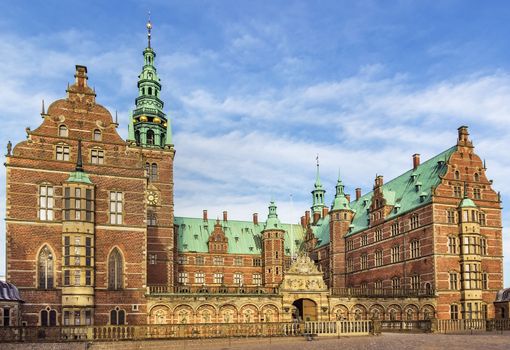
485, 340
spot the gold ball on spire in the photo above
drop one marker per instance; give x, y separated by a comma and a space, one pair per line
149, 25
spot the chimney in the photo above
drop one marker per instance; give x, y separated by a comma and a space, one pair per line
204, 215
307, 217
303, 221
358, 193
225, 217
348, 196
379, 181
463, 135
255, 218
416, 160
325, 212
316, 217
81, 76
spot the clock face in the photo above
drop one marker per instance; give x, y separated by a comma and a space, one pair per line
152, 198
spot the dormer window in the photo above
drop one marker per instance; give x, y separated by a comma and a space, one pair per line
63, 131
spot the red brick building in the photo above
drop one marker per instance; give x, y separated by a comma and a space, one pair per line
92, 237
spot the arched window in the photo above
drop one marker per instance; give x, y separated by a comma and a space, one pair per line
117, 316
163, 139
48, 317
150, 137
45, 268
115, 270
62, 131
97, 135
152, 219
477, 177
137, 137
457, 175
150, 91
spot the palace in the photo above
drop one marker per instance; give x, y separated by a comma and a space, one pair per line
92, 237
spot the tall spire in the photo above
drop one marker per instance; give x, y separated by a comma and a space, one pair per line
79, 160
149, 27
151, 127
318, 192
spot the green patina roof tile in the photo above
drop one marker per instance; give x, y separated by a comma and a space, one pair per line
401, 191
79, 176
467, 203
244, 237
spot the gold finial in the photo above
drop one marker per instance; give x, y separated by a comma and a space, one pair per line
149, 27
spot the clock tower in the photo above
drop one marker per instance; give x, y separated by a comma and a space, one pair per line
150, 132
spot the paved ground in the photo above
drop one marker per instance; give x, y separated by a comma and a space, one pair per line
484, 340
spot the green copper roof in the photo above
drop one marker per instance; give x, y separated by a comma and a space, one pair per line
244, 237
467, 203
340, 202
79, 176
272, 223
406, 192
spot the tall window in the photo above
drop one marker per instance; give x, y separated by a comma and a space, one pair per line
378, 285
97, 156
395, 254
477, 177
454, 312
218, 278
415, 282
482, 219
457, 191
350, 265
45, 266
97, 135
257, 279
476, 193
137, 137
450, 214
415, 249
117, 316
378, 235
116, 208
46, 203
62, 152
364, 239
6, 316
182, 277
363, 260
395, 283
218, 260
395, 229
150, 137
62, 131
152, 219
48, 317
199, 277
115, 270
454, 284
238, 278
414, 221
151, 171
452, 244
483, 246
379, 258
485, 280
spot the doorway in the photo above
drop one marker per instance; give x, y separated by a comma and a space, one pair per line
304, 310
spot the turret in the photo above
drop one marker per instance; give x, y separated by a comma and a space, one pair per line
78, 237
340, 220
317, 197
273, 248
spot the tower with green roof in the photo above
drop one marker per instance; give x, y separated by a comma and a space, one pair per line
317, 196
149, 126
272, 248
340, 217
149, 132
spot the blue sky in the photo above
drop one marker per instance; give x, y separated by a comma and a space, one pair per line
256, 89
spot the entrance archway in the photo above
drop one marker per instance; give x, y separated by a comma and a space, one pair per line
304, 310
